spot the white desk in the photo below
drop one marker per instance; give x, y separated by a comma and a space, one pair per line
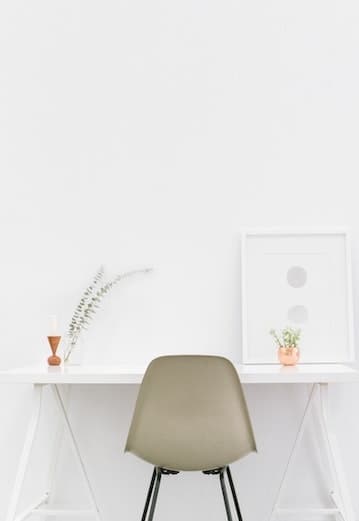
133, 374
318, 376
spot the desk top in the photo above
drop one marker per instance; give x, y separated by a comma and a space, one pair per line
133, 374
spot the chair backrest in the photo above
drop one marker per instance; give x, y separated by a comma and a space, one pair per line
190, 414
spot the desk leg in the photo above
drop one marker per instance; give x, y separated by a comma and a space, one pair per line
63, 415
295, 447
56, 448
342, 509
340, 495
25, 455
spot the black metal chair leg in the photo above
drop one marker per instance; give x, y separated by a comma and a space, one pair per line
225, 495
156, 481
234, 494
155, 493
148, 498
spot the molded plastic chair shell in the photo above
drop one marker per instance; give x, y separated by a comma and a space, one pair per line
191, 414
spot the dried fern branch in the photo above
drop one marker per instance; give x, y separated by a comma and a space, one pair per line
90, 303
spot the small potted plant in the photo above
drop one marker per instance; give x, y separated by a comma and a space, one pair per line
287, 342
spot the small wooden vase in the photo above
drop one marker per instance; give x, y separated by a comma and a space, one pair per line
54, 343
288, 355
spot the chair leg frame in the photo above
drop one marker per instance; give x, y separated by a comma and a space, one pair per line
155, 493
149, 495
225, 495
152, 495
234, 494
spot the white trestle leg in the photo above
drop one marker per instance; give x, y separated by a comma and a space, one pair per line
342, 509
340, 494
63, 415
25, 456
40, 507
275, 509
59, 435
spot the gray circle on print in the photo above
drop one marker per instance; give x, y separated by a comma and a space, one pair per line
298, 314
296, 277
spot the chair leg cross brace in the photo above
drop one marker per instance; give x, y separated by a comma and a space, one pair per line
158, 472
340, 496
34, 508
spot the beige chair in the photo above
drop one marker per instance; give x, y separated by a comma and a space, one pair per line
190, 414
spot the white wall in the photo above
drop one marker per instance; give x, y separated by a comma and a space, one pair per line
148, 133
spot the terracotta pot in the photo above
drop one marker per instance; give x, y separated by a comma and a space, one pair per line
288, 355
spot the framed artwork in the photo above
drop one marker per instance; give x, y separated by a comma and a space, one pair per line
300, 279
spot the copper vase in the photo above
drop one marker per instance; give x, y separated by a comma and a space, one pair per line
288, 355
54, 343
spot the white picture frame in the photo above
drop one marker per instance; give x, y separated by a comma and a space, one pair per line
300, 278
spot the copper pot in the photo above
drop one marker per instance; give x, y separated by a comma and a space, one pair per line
288, 355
